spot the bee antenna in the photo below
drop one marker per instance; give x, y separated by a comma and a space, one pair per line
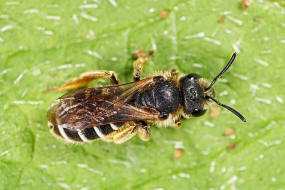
228, 108
223, 71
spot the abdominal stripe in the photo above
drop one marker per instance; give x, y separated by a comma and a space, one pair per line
85, 135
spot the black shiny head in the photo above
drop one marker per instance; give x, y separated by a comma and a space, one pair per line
192, 95
195, 93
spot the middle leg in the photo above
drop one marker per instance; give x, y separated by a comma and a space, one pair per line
141, 59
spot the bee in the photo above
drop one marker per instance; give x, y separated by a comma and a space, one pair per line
118, 112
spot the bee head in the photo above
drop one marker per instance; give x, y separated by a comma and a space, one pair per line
197, 93
192, 95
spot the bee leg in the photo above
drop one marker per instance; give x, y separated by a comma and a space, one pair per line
171, 75
124, 134
177, 122
141, 59
87, 78
144, 131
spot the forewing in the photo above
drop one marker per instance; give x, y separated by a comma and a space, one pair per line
99, 106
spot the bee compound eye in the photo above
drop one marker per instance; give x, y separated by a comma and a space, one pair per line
198, 112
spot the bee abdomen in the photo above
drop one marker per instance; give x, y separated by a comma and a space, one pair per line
85, 135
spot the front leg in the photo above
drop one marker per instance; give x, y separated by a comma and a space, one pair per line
141, 59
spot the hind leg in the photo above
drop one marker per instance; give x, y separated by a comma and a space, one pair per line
87, 78
126, 132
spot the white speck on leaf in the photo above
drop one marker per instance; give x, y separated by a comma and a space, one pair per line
66, 66
174, 57
224, 93
113, 2
264, 63
236, 46
228, 31
263, 100
242, 77
254, 88
75, 18
80, 65
143, 170
207, 123
268, 144
212, 41
27, 102
95, 171
242, 168
59, 162
64, 185
178, 145
91, 35
266, 52
48, 32
184, 175
6, 28
88, 6
151, 10
199, 35
114, 59
226, 13
255, 29
4, 153
12, 3
95, 54
183, 18
82, 165
125, 163
24, 93
232, 102
197, 65
53, 17
212, 166
89, 17
19, 77
232, 180
43, 166
31, 11
4, 16
273, 179
235, 20
266, 85
154, 47
279, 99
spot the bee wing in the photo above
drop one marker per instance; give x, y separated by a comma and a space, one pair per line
91, 107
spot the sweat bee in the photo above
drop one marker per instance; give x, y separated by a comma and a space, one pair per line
117, 112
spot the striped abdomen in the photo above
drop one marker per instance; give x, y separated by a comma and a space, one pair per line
85, 135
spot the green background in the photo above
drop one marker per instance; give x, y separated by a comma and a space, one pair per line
45, 43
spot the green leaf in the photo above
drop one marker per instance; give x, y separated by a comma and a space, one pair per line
43, 44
